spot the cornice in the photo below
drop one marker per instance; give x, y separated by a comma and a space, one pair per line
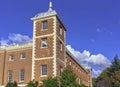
75, 59
16, 46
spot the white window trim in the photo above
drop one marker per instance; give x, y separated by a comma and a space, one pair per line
10, 58
45, 28
20, 76
22, 57
61, 46
70, 63
42, 42
41, 72
61, 31
8, 75
43, 75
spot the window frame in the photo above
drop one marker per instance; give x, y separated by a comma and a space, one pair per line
22, 75
11, 57
44, 25
10, 75
22, 55
43, 70
44, 42
61, 30
61, 46
61, 70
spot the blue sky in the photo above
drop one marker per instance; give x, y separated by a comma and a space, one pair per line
93, 26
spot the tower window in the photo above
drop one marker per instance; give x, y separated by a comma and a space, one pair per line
11, 58
44, 42
60, 46
44, 25
44, 70
9, 76
23, 55
22, 75
61, 69
61, 30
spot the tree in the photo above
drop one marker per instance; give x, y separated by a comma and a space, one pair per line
94, 81
110, 77
114, 71
82, 85
68, 78
15, 84
33, 84
116, 77
11, 84
115, 65
50, 82
103, 83
104, 74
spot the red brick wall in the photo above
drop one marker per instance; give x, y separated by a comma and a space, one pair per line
58, 30
1, 66
17, 64
39, 30
82, 75
60, 54
60, 67
44, 52
38, 64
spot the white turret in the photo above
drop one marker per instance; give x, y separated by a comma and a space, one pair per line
50, 6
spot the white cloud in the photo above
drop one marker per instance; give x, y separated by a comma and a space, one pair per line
19, 38
96, 73
98, 60
14, 38
4, 42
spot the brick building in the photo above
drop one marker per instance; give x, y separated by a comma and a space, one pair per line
46, 56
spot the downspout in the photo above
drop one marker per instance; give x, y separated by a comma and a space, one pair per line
4, 66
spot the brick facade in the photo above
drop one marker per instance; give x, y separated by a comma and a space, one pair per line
54, 56
2, 57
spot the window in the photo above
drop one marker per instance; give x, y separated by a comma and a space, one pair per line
11, 57
22, 75
61, 69
44, 42
69, 62
60, 46
44, 25
23, 55
9, 76
44, 70
61, 30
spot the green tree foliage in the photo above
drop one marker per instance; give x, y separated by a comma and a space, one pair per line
68, 78
117, 85
82, 85
115, 66
103, 80
50, 82
116, 77
11, 84
110, 77
33, 84
94, 81
103, 83
104, 75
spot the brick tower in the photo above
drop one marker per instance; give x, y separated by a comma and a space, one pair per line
46, 56
49, 51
